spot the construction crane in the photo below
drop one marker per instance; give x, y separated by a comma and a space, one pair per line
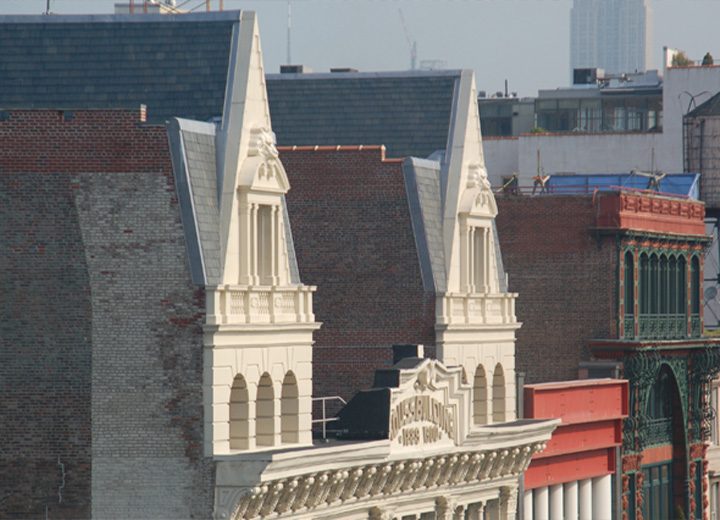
411, 43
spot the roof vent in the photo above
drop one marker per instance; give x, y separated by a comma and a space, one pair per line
343, 69
292, 69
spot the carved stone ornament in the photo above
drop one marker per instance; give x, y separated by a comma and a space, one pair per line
426, 379
262, 143
305, 493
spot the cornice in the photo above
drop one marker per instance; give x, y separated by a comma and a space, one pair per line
367, 482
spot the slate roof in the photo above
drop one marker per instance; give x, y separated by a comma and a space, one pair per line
192, 147
408, 112
174, 64
711, 107
422, 184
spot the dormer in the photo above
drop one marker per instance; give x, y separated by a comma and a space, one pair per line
262, 182
476, 212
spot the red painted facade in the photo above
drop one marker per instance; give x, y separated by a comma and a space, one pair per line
648, 211
585, 444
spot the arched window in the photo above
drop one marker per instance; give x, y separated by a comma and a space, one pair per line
663, 292
660, 400
629, 281
682, 286
644, 284
498, 394
265, 237
480, 396
673, 292
695, 285
239, 414
654, 285
289, 410
265, 411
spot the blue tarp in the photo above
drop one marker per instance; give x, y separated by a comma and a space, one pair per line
687, 184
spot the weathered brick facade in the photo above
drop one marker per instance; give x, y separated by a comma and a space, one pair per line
45, 351
549, 248
354, 240
101, 363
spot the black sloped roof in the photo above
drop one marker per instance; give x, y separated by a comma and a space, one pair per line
175, 64
408, 112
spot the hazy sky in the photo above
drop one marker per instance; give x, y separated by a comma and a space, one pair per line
525, 41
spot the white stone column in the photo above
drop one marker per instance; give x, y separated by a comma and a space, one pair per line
585, 499
275, 245
471, 259
486, 260
508, 502
602, 498
245, 244
528, 505
541, 507
571, 500
254, 271
556, 502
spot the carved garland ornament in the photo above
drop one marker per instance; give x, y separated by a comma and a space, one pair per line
304, 493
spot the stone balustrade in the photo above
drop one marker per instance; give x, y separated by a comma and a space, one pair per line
476, 309
241, 304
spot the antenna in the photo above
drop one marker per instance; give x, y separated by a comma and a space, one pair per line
47, 7
289, 26
411, 43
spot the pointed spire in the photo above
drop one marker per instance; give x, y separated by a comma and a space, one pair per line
464, 163
246, 105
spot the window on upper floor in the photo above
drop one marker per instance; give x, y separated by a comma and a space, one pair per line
665, 299
265, 238
475, 267
695, 285
629, 284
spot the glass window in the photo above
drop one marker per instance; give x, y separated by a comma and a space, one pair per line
695, 285
682, 286
644, 281
629, 281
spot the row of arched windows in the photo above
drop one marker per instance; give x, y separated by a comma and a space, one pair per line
264, 414
662, 284
483, 400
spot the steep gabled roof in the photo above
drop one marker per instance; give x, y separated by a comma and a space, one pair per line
177, 65
408, 112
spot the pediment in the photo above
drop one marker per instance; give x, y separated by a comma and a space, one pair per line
418, 405
429, 408
262, 170
477, 197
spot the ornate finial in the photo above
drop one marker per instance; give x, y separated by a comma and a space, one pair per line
262, 142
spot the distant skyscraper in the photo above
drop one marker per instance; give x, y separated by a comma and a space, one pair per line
614, 35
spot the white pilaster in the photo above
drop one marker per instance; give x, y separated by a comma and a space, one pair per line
602, 498
255, 279
585, 500
528, 505
571, 500
541, 507
556, 502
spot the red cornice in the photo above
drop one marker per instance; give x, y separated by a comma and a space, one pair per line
627, 210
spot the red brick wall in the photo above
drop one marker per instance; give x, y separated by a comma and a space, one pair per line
566, 276
55, 141
354, 240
